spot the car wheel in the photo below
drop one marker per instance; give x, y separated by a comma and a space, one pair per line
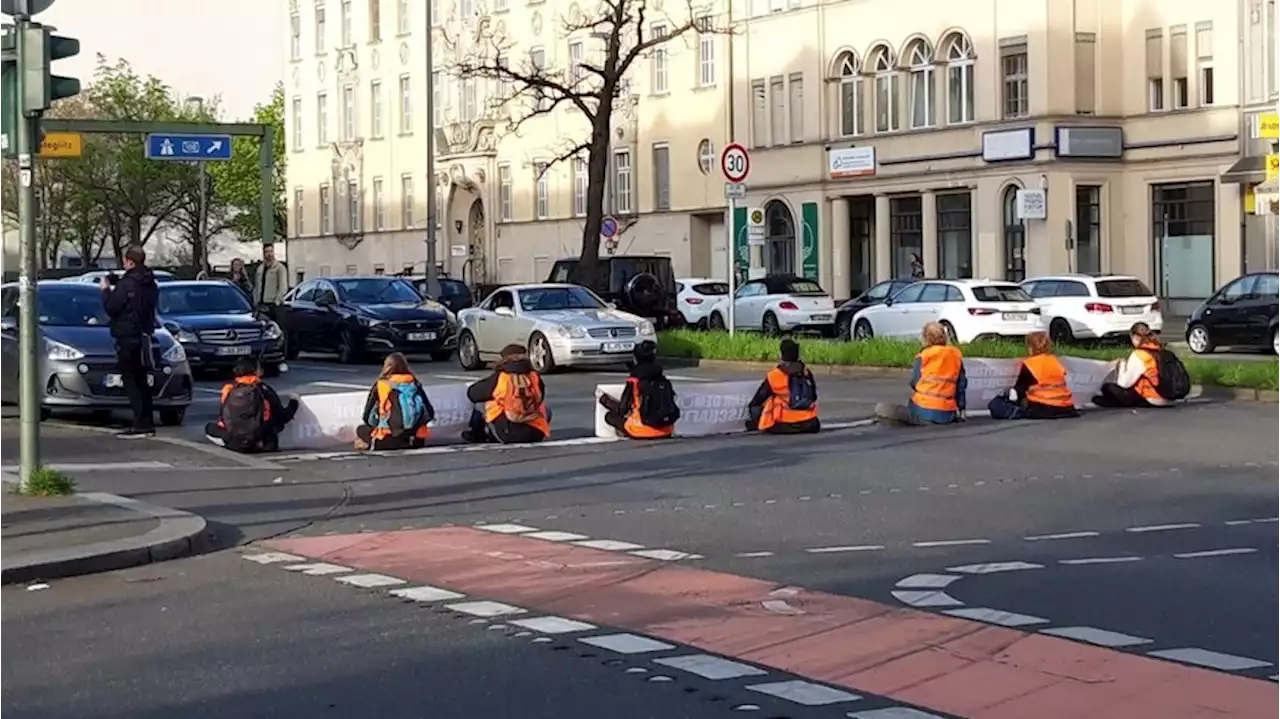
540, 355
1060, 331
469, 353
769, 325
441, 356
291, 347
173, 417
863, 331
45, 413
844, 328
716, 322
346, 347
1200, 342
951, 332
1275, 340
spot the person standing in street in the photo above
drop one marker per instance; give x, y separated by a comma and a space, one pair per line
130, 303
240, 277
271, 282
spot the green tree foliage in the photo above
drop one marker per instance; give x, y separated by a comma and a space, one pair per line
238, 183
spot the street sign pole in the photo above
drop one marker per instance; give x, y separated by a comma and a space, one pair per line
735, 165
731, 253
29, 342
433, 209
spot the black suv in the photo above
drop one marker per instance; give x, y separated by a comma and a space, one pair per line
643, 285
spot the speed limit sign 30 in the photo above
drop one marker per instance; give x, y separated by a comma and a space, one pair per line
735, 163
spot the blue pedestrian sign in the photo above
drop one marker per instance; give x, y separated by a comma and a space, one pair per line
189, 148
608, 227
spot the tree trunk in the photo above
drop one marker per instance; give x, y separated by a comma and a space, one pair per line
135, 230
597, 180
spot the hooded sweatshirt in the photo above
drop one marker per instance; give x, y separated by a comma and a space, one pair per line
131, 304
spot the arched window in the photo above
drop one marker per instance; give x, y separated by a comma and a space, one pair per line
920, 65
1015, 237
959, 79
886, 73
850, 99
780, 238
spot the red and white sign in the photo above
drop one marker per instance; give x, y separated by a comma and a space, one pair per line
735, 163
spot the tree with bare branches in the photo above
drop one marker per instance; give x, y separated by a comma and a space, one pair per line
615, 35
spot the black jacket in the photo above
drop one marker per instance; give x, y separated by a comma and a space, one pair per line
622, 406
483, 390
1035, 410
131, 304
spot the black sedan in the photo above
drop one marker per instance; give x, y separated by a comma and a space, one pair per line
1241, 314
215, 323
453, 294
877, 294
359, 316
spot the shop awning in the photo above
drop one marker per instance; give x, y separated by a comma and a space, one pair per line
1247, 171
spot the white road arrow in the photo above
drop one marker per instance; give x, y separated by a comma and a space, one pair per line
214, 147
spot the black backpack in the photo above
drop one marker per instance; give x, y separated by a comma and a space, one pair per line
1173, 381
802, 392
243, 414
657, 402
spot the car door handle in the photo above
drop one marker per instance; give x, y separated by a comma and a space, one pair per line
484, 319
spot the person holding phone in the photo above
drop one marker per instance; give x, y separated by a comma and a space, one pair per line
130, 303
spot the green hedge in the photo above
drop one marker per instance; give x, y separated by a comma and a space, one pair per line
750, 346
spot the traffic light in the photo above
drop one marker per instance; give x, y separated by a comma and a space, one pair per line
40, 48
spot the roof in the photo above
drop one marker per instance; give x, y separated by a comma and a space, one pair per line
969, 281
539, 286
1082, 277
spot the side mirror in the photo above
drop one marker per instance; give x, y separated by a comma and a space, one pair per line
888, 302
611, 305
504, 311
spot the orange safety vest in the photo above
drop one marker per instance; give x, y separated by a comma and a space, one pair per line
1050, 388
226, 390
939, 372
1146, 384
504, 399
383, 386
634, 426
777, 409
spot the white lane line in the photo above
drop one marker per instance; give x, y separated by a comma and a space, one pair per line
506, 528
318, 569
425, 594
996, 616
552, 536
711, 667
926, 581
927, 599
457, 377
272, 557
1100, 560
687, 378
308, 366
209, 390
806, 693
627, 643
1238, 522
950, 543
1163, 527
893, 713
1063, 535
438, 449
609, 545
1093, 635
1206, 658
665, 555
848, 425
845, 548
370, 581
994, 567
485, 609
553, 625
338, 385
753, 555
95, 466
1216, 553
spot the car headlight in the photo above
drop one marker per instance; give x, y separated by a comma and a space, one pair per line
646, 328
272, 331
181, 334
175, 354
369, 321
59, 351
571, 331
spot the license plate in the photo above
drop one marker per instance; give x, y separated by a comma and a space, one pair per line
1015, 317
611, 347
421, 336
1132, 310
115, 380
235, 351
820, 318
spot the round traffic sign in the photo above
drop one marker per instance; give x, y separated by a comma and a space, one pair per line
608, 227
735, 163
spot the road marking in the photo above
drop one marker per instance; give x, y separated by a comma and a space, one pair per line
996, 616
609, 545
1093, 635
1100, 560
313, 366
95, 466
272, 557
1236, 522
485, 609
506, 528
845, 548
686, 378
370, 581
994, 567
806, 693
553, 625
927, 599
425, 594
552, 536
950, 543
753, 555
926, 581
457, 377
209, 390
893, 713
1163, 527
318, 569
1206, 658
711, 667
1063, 535
665, 555
338, 385
247, 460
849, 425
627, 643
1216, 553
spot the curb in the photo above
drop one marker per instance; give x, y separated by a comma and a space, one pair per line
177, 536
1202, 391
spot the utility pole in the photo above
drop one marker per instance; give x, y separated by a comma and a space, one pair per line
195, 105
433, 281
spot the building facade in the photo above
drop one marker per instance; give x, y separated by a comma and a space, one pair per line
990, 138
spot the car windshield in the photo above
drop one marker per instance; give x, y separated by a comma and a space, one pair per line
558, 298
804, 287
1001, 293
376, 291
210, 299
1122, 288
71, 307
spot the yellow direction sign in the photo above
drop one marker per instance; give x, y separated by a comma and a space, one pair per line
1269, 126
61, 144
1273, 166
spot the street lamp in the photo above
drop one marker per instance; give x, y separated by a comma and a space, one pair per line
194, 105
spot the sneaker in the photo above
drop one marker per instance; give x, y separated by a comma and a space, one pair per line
137, 433
360, 445
472, 437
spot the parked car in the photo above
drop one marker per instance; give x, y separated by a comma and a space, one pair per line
359, 316
1241, 314
874, 295
453, 293
78, 365
95, 276
216, 325
561, 324
640, 284
695, 296
777, 303
1094, 306
967, 309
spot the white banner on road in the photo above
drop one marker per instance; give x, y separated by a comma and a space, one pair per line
989, 377
328, 421
705, 408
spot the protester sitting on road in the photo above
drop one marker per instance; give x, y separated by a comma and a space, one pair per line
397, 410
787, 401
252, 416
647, 408
1041, 390
1151, 376
515, 402
938, 384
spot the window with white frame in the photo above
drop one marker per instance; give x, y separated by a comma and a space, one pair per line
706, 156
542, 198
706, 51
402, 17
887, 115
295, 36
406, 201
467, 101
299, 224
349, 112
658, 61
1204, 61
375, 109
437, 15
759, 114
505, 190
379, 205
320, 28
375, 20
353, 206
296, 123
466, 10
438, 88
322, 118
622, 183
500, 5
795, 103
1013, 70
922, 87
777, 111
344, 20
580, 186
326, 210
575, 61
1155, 69
538, 62
406, 106
850, 95
960, 91
502, 85
1180, 85
661, 176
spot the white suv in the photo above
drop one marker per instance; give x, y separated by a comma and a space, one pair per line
967, 309
696, 295
1094, 306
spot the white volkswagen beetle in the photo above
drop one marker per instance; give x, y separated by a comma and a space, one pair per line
561, 324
